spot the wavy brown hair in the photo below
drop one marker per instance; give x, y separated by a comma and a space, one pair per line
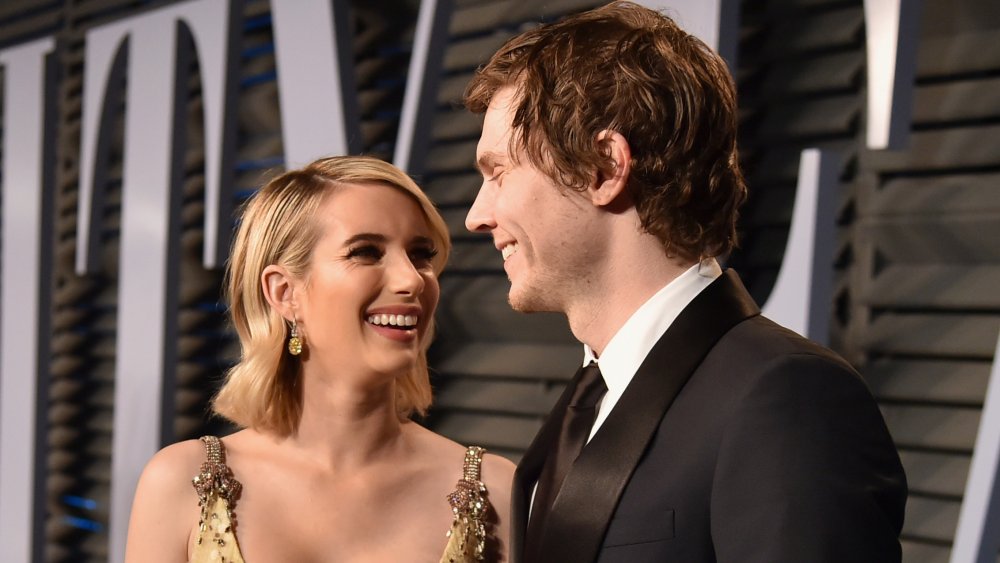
632, 70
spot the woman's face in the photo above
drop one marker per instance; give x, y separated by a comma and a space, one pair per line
370, 292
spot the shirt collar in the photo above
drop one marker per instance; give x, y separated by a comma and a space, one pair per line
629, 346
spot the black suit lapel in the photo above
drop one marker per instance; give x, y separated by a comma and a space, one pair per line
531, 466
581, 512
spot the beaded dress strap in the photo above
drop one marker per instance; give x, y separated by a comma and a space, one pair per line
214, 452
468, 501
215, 476
472, 469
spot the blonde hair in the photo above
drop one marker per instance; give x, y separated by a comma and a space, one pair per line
263, 391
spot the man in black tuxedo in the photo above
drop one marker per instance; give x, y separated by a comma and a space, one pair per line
699, 431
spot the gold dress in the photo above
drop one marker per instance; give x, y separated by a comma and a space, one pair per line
218, 490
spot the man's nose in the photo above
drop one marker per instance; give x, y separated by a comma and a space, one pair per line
480, 217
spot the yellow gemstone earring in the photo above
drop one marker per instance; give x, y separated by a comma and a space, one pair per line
294, 340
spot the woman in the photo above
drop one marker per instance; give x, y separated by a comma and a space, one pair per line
332, 282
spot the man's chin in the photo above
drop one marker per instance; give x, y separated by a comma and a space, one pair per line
525, 300
519, 306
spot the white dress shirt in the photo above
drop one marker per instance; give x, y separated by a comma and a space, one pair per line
629, 346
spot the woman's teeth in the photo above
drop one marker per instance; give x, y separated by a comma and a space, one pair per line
401, 321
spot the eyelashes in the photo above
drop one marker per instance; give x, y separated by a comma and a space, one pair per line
371, 254
426, 254
368, 251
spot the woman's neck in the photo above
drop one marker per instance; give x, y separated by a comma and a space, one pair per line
344, 426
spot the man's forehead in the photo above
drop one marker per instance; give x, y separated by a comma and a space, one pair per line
503, 98
500, 111
493, 142
496, 122
495, 138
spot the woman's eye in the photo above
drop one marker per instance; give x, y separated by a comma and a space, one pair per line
423, 256
371, 253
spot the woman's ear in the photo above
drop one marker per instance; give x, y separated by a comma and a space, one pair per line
610, 185
279, 290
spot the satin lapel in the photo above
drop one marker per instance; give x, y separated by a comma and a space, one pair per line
581, 512
531, 465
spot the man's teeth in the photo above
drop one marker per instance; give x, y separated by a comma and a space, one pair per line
404, 321
508, 250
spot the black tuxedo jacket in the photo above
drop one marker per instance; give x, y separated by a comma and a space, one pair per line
737, 441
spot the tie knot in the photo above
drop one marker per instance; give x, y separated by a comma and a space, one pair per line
590, 388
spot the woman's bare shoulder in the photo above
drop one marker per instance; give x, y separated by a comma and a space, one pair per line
497, 475
165, 507
498, 472
176, 462
166, 479
495, 469
440, 449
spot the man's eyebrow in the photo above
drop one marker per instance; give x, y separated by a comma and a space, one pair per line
487, 160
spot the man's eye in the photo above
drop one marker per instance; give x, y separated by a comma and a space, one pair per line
365, 252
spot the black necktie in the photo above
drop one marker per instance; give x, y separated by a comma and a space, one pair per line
573, 434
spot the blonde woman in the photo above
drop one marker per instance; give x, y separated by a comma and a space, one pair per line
332, 284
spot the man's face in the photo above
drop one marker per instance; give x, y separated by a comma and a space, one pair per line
537, 224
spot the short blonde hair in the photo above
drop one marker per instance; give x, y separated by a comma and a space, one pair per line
263, 391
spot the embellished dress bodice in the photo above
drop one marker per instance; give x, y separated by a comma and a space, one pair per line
218, 492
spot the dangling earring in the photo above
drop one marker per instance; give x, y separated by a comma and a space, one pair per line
294, 340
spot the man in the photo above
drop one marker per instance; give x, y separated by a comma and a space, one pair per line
611, 184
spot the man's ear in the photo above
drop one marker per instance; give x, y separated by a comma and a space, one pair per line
279, 290
610, 183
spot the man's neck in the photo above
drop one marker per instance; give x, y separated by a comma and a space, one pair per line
597, 316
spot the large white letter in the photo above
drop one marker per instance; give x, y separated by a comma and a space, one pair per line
801, 296
422, 83
316, 91
891, 32
978, 535
145, 347
23, 289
